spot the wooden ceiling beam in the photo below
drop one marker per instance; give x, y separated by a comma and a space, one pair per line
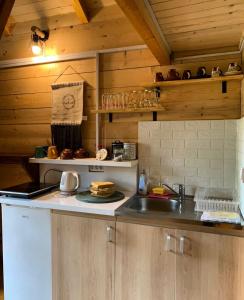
139, 14
5, 10
80, 10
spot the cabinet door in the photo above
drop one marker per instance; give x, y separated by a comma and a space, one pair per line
83, 258
210, 267
145, 269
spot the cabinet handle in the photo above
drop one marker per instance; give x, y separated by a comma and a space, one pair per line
168, 243
182, 245
109, 234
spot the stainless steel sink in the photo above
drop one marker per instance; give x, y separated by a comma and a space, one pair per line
144, 204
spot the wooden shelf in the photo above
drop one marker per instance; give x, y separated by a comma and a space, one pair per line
128, 110
85, 162
194, 81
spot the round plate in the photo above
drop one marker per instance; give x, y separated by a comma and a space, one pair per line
232, 73
101, 154
87, 197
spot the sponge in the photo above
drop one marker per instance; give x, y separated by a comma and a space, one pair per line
159, 190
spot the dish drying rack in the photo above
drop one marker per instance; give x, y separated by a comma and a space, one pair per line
215, 199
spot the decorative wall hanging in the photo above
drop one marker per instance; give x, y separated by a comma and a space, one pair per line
67, 112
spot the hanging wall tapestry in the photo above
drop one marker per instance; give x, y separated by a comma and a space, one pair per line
67, 112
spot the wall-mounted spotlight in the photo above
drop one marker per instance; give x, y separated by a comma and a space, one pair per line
38, 40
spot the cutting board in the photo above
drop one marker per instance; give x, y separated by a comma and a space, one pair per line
87, 197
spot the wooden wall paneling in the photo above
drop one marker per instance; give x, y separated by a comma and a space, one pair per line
98, 35
65, 20
12, 174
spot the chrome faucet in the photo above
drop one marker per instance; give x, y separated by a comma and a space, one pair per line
181, 190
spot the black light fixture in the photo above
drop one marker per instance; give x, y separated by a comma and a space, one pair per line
38, 40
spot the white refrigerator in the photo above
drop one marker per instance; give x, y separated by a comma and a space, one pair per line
26, 253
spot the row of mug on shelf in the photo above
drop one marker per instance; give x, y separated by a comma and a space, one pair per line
131, 99
51, 152
173, 74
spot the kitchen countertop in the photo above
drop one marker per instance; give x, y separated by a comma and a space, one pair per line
183, 218
55, 200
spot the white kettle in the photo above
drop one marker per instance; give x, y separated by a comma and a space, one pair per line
69, 183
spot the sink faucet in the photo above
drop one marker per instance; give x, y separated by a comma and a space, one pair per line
181, 190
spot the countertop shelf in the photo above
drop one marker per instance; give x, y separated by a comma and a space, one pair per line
194, 81
129, 110
85, 162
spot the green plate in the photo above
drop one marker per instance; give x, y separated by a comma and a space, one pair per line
87, 197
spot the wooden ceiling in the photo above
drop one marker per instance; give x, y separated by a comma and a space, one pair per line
166, 26
200, 24
27, 10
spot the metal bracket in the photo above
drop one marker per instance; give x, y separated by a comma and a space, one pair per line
155, 115
158, 91
110, 117
224, 87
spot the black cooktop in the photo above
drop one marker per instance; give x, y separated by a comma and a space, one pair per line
28, 190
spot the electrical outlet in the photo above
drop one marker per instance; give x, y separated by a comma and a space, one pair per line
96, 169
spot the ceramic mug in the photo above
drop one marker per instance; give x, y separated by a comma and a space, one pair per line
81, 153
52, 152
216, 72
173, 75
159, 77
66, 154
234, 67
186, 74
201, 72
41, 151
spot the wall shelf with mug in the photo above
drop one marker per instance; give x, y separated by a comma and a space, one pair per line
222, 79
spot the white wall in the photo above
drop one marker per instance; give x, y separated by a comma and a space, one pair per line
195, 153
240, 162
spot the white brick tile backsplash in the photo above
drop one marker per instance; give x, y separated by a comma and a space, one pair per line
173, 125
179, 162
184, 153
197, 181
166, 153
220, 125
179, 171
230, 144
211, 173
196, 153
210, 154
217, 164
204, 134
197, 143
197, 162
217, 144
171, 144
217, 182
187, 134
197, 125
229, 154
166, 134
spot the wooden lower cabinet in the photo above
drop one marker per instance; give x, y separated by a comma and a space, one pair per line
144, 269
83, 258
209, 266
188, 265
142, 262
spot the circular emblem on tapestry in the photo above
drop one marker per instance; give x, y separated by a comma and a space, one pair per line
68, 101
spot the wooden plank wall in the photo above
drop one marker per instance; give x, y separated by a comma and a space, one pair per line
25, 99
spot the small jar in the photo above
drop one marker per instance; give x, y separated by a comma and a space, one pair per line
129, 151
117, 149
